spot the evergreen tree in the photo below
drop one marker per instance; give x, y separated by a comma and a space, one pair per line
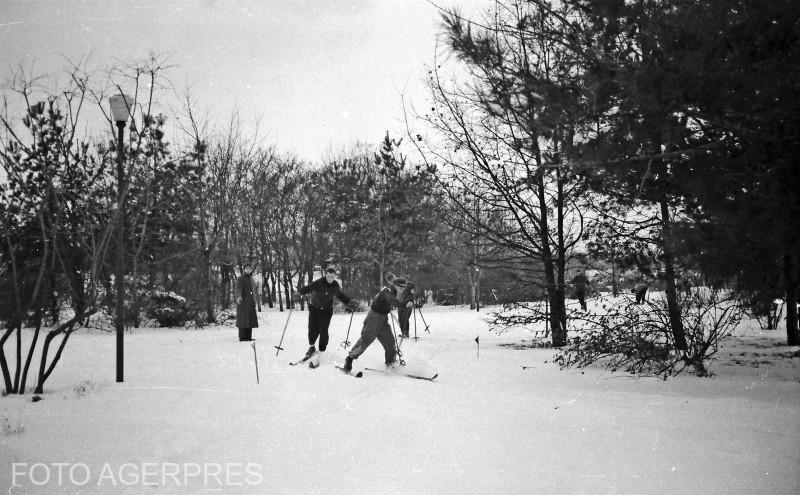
697, 115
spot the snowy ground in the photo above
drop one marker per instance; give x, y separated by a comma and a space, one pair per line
190, 418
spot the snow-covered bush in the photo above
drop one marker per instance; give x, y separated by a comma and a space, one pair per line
622, 336
709, 316
169, 309
637, 338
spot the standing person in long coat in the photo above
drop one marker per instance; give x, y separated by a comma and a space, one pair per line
246, 316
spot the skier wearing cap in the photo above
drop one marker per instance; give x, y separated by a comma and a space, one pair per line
320, 309
406, 294
376, 324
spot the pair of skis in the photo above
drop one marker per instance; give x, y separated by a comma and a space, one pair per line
359, 374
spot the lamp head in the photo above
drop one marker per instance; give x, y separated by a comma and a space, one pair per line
120, 107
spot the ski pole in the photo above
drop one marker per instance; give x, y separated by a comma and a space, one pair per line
423, 321
255, 356
346, 342
415, 322
400, 359
284, 332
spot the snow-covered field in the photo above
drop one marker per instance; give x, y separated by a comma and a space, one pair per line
190, 418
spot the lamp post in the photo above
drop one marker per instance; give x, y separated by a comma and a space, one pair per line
120, 111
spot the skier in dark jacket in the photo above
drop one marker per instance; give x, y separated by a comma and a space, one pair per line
246, 316
405, 294
320, 309
376, 324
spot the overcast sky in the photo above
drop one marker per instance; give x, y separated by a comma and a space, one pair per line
318, 73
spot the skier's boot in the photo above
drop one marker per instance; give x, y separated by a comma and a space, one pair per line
348, 364
315, 361
311, 351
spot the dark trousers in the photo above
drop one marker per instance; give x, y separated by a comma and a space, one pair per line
640, 295
245, 334
580, 293
404, 315
376, 326
318, 322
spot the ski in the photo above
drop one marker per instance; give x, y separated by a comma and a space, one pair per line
402, 373
358, 374
301, 361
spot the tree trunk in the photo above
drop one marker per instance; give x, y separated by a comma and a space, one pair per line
29, 359
66, 330
269, 289
554, 282
3, 362
555, 296
673, 308
209, 286
789, 274
18, 369
561, 256
225, 275
279, 291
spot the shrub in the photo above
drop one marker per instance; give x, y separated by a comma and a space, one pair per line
637, 338
169, 309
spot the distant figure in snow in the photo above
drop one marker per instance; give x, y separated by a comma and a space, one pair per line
376, 324
685, 285
320, 308
246, 316
579, 283
640, 291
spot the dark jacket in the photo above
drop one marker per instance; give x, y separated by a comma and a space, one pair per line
246, 316
385, 300
580, 281
322, 293
409, 294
